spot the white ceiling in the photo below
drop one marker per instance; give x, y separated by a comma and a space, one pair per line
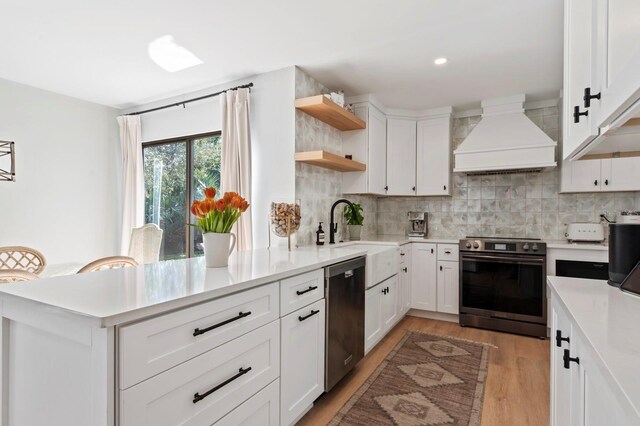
97, 50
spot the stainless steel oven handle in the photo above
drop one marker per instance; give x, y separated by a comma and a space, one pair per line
505, 259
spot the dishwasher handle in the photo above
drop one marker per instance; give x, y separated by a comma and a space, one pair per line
343, 268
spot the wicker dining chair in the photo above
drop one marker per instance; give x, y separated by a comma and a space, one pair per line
16, 275
22, 258
112, 262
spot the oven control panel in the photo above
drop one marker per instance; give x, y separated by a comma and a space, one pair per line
503, 246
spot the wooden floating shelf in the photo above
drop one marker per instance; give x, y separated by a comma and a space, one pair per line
330, 161
329, 112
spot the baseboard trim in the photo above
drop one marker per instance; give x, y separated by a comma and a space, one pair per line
434, 315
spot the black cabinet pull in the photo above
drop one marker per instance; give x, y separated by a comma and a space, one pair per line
300, 293
405, 269
386, 188
241, 315
577, 114
447, 252
441, 267
431, 251
560, 339
413, 189
401, 254
566, 358
588, 96
595, 182
301, 318
606, 181
445, 187
241, 372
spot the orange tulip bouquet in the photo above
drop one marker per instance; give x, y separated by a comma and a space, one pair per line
215, 219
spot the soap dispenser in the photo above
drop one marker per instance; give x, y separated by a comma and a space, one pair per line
320, 235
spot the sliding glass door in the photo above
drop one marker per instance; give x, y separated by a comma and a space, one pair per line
175, 173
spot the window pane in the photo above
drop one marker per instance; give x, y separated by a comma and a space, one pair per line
165, 184
206, 154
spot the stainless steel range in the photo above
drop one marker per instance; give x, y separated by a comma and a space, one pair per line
502, 285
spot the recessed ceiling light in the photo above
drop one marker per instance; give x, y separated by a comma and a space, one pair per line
440, 61
170, 56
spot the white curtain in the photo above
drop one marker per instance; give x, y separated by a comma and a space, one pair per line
236, 156
132, 178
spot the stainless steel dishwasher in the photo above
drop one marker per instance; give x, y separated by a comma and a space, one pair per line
344, 290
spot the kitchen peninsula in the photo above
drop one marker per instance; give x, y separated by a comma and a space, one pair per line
130, 347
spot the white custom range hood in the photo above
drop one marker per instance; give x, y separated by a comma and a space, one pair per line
504, 141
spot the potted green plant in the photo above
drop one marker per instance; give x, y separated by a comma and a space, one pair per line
354, 221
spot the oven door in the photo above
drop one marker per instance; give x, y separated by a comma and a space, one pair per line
504, 286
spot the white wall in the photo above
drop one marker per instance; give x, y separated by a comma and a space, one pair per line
272, 135
65, 198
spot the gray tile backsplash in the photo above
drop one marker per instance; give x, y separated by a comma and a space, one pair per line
514, 205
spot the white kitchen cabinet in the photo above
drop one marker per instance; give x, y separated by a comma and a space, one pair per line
389, 303
401, 156
367, 146
611, 174
262, 409
424, 277
373, 328
582, 392
617, 58
447, 287
561, 378
578, 130
404, 280
433, 156
301, 360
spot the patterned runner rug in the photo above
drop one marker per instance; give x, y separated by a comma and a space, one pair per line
425, 380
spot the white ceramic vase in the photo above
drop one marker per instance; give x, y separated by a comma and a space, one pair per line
355, 232
217, 248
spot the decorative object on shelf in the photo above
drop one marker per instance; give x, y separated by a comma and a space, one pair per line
215, 219
354, 222
327, 111
7, 161
284, 221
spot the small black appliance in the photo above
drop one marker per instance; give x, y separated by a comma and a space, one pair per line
624, 250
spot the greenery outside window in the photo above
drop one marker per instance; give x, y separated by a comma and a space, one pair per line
175, 173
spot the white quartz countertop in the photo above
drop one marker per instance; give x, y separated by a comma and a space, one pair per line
608, 319
123, 295
401, 240
564, 244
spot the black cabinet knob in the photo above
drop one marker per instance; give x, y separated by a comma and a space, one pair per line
431, 251
606, 181
577, 114
405, 269
560, 339
445, 187
441, 267
566, 359
386, 188
588, 96
595, 182
413, 189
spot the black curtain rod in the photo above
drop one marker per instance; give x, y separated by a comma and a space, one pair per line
244, 86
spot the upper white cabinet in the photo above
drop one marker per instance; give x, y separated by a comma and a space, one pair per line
578, 50
601, 73
617, 58
609, 174
433, 174
408, 153
367, 146
401, 156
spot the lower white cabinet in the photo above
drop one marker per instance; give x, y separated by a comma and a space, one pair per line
448, 287
372, 317
582, 392
302, 360
435, 278
262, 409
389, 303
380, 311
205, 388
424, 276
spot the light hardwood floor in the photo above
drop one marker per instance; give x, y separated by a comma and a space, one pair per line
517, 388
